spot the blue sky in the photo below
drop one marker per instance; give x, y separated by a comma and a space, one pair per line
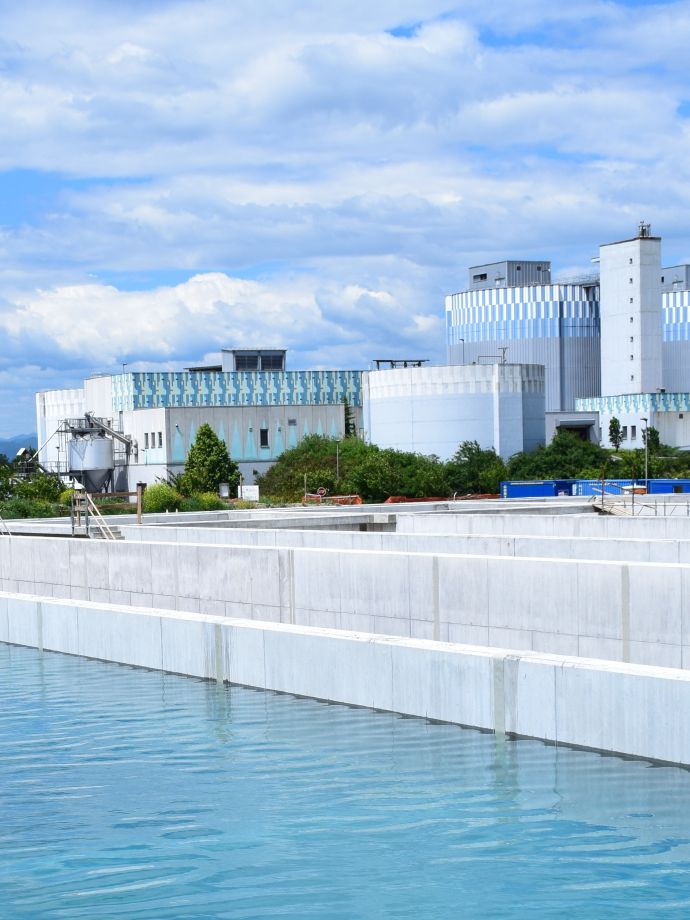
180, 176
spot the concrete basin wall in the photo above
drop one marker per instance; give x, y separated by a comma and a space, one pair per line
551, 525
625, 549
633, 710
637, 612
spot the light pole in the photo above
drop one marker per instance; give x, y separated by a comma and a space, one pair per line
463, 349
337, 461
646, 455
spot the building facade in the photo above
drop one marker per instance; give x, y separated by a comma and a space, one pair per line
432, 410
258, 414
556, 325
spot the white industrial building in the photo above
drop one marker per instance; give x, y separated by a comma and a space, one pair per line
121, 429
431, 410
612, 344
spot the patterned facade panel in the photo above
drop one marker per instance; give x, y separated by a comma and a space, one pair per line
675, 308
629, 403
196, 389
538, 311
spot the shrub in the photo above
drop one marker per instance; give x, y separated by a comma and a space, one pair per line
65, 497
26, 508
211, 502
161, 497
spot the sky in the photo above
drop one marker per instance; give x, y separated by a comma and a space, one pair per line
177, 177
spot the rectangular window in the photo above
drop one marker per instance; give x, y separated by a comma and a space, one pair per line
292, 422
631, 319
632, 338
146, 440
624, 432
246, 362
633, 432
263, 437
160, 438
153, 439
631, 300
481, 277
631, 281
630, 260
662, 279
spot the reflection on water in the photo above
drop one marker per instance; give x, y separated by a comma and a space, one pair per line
128, 793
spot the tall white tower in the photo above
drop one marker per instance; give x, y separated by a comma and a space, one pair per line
631, 319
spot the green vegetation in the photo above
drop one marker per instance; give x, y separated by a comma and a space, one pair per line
161, 497
208, 464
351, 466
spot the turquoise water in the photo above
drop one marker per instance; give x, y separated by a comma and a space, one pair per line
128, 793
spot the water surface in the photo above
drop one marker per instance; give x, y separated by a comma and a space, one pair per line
129, 793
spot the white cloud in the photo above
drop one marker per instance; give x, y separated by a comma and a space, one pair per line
320, 176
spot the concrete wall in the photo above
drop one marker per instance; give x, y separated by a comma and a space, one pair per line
673, 527
553, 547
637, 612
632, 710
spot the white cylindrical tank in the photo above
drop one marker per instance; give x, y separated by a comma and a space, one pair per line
91, 460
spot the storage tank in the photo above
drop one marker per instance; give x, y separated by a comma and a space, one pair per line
91, 460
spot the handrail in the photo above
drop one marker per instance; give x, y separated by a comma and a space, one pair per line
99, 518
4, 528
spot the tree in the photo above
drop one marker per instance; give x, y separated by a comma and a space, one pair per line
472, 469
564, 458
208, 464
615, 433
650, 437
349, 419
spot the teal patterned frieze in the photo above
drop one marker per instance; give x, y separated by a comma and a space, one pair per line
631, 403
170, 389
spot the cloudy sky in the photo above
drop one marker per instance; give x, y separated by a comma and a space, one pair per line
180, 176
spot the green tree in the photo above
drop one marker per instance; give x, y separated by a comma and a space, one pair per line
615, 433
208, 464
473, 469
650, 437
349, 419
564, 458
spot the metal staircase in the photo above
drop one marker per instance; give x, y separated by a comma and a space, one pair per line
88, 521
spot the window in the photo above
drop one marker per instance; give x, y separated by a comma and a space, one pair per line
481, 277
292, 422
538, 268
632, 377
146, 440
633, 432
662, 279
518, 268
631, 319
630, 261
632, 357
263, 437
153, 439
271, 362
624, 432
246, 362
632, 338
631, 300
160, 438
680, 415
631, 281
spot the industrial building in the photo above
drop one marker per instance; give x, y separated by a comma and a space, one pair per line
121, 429
431, 410
612, 344
526, 319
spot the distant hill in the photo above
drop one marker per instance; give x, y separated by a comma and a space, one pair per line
10, 446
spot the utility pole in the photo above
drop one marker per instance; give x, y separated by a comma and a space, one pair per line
646, 455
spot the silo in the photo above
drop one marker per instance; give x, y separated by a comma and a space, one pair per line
91, 460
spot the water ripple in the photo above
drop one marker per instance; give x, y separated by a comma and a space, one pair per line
133, 794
